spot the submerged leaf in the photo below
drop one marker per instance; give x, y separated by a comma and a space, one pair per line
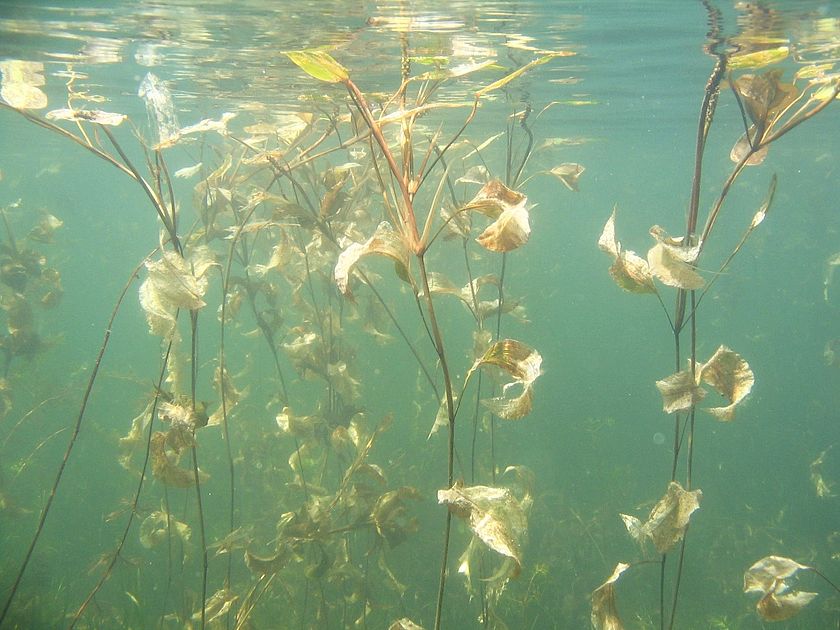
494, 515
165, 469
672, 261
604, 614
679, 391
174, 283
731, 377
404, 624
668, 519
510, 228
319, 65
568, 173
385, 242
523, 364
768, 576
629, 271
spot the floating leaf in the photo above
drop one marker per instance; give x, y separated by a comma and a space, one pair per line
679, 391
672, 262
731, 377
668, 519
20, 82
768, 576
568, 173
319, 65
604, 614
494, 515
520, 71
759, 58
89, 115
629, 271
523, 364
385, 242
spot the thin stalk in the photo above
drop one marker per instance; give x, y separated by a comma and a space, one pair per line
133, 510
68, 451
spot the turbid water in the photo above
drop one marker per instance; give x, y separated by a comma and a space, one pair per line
299, 297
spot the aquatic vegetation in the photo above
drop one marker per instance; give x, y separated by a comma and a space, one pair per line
325, 424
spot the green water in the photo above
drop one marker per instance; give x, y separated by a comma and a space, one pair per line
625, 106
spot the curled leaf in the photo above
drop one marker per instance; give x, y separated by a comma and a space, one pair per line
523, 364
730, 376
510, 228
391, 518
604, 614
679, 391
404, 624
495, 517
156, 526
672, 261
568, 173
769, 577
668, 519
629, 271
385, 242
174, 283
166, 469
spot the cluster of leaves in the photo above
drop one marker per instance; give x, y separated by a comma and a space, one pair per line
27, 282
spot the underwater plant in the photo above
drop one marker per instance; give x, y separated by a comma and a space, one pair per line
770, 108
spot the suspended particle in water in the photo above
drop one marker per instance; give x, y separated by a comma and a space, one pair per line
658, 438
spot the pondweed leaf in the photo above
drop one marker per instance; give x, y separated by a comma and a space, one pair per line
668, 519
569, 173
730, 376
523, 364
520, 71
728, 373
604, 615
89, 115
671, 261
629, 270
20, 84
319, 65
510, 228
385, 242
679, 391
769, 577
758, 58
497, 519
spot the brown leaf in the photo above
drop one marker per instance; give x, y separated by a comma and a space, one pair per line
494, 515
568, 173
769, 576
604, 614
668, 519
679, 391
629, 271
523, 364
385, 242
510, 228
672, 262
731, 377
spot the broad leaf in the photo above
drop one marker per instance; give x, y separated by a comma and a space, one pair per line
604, 614
319, 65
668, 519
